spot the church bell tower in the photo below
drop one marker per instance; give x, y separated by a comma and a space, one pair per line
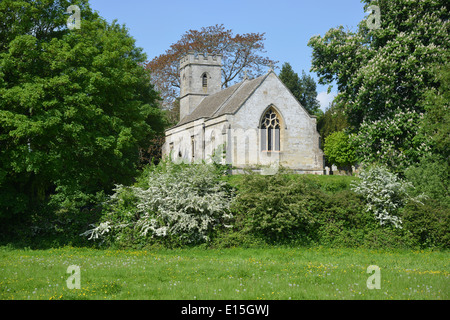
200, 76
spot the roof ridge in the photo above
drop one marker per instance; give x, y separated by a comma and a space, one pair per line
229, 97
246, 81
263, 77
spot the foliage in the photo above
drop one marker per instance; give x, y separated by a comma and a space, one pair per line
239, 52
382, 69
77, 112
75, 107
314, 210
277, 207
377, 210
429, 223
259, 211
341, 222
394, 141
181, 204
436, 122
338, 150
431, 176
303, 89
386, 80
334, 119
384, 193
153, 152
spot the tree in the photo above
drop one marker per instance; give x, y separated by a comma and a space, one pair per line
394, 142
309, 94
239, 53
75, 106
436, 123
383, 74
379, 70
339, 151
291, 79
304, 88
334, 119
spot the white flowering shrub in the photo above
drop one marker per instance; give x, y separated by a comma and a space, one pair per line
175, 201
184, 200
98, 231
384, 193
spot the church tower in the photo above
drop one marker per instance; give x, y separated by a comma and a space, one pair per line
200, 76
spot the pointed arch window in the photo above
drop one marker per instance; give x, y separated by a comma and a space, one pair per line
270, 131
205, 80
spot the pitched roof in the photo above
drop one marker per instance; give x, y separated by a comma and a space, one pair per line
227, 101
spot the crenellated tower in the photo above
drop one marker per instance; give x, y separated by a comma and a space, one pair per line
200, 76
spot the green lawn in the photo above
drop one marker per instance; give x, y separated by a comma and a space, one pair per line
206, 274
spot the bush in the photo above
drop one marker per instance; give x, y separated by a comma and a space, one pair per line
431, 177
307, 210
384, 193
428, 223
388, 237
278, 208
54, 224
341, 220
178, 204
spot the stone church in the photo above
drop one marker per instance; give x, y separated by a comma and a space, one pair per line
255, 124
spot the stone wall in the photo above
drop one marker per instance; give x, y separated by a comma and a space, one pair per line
299, 137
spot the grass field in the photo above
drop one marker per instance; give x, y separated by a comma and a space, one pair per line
231, 274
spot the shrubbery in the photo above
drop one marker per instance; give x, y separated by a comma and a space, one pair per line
277, 208
384, 193
431, 176
313, 210
175, 204
178, 204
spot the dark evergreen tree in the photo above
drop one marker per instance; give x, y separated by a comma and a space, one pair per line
303, 89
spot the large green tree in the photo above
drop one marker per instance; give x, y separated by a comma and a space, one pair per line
383, 71
303, 88
76, 105
436, 122
383, 68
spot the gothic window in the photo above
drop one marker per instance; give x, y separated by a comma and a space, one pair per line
270, 131
205, 80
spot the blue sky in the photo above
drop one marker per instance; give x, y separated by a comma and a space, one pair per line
287, 24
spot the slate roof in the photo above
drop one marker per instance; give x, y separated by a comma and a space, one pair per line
227, 101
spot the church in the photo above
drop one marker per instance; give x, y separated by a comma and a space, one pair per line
255, 124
